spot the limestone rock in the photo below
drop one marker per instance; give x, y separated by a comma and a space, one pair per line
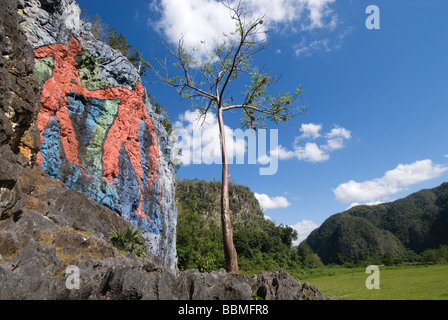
18, 93
59, 228
99, 133
279, 285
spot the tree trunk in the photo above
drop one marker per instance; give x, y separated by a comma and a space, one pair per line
227, 231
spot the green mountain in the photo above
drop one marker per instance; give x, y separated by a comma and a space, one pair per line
261, 245
399, 230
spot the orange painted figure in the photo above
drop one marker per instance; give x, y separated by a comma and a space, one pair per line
123, 131
54, 96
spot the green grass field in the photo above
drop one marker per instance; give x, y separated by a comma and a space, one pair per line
396, 283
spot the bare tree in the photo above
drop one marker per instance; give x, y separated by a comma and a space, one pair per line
207, 83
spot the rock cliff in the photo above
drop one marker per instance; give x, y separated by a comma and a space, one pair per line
99, 134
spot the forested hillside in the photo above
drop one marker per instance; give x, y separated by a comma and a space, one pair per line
399, 230
261, 245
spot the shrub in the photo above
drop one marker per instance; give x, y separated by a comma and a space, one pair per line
307, 258
129, 240
206, 264
439, 255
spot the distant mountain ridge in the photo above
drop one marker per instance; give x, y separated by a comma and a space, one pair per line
400, 229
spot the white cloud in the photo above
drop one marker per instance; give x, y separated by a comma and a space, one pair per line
282, 153
198, 138
392, 182
200, 141
310, 44
267, 202
207, 20
336, 138
310, 130
306, 49
311, 151
319, 9
303, 229
372, 203
194, 20
339, 132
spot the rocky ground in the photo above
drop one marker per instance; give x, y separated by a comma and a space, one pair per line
52, 228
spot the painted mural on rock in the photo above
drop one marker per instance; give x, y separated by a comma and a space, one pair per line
101, 142
99, 133
91, 138
78, 113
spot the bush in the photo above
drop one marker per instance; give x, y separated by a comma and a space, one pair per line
307, 258
438, 256
206, 264
129, 240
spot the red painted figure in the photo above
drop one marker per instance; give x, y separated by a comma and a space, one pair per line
123, 131
54, 95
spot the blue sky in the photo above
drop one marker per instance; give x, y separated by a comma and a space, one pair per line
377, 100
